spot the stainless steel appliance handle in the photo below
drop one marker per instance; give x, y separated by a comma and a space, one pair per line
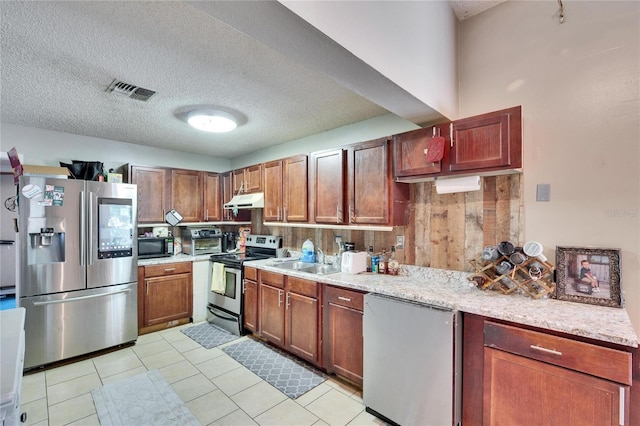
90, 231
83, 228
75, 299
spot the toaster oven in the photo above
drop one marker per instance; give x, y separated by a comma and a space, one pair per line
197, 241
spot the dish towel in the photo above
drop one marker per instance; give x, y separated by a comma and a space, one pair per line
217, 278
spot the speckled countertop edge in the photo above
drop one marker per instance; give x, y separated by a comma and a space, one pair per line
173, 259
451, 289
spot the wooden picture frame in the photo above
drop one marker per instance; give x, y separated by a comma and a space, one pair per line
588, 275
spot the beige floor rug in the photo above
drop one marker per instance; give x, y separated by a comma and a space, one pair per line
146, 399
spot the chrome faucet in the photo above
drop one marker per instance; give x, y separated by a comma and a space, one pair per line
320, 255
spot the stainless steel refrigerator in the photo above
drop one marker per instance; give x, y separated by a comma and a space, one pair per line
78, 266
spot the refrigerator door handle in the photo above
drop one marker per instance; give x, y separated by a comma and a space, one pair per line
90, 230
75, 299
83, 227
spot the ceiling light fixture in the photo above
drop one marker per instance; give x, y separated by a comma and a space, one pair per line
212, 120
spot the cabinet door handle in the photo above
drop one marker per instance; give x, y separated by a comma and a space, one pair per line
451, 134
346, 299
279, 298
284, 214
352, 214
621, 407
288, 303
206, 215
549, 351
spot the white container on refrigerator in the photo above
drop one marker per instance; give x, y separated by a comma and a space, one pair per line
78, 266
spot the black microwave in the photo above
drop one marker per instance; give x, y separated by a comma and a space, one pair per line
149, 247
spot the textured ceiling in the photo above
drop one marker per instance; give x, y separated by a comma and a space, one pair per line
59, 57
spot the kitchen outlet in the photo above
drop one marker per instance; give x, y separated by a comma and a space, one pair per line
337, 239
399, 241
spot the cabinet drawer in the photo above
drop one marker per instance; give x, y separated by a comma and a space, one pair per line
167, 269
344, 297
272, 278
610, 364
304, 287
251, 273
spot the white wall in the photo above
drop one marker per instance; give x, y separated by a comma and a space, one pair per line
378, 127
578, 84
412, 43
49, 148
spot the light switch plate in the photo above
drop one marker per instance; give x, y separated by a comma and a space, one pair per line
399, 241
543, 192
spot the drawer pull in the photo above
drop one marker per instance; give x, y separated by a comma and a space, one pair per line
346, 299
549, 351
170, 269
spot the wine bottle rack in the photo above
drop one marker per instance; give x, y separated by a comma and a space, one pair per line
518, 279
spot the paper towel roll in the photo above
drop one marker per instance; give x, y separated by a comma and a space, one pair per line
458, 184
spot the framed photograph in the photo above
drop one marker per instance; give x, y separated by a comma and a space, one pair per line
588, 275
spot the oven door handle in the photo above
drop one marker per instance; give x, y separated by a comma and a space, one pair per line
228, 318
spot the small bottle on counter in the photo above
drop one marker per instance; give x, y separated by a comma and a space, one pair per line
374, 264
369, 256
382, 263
392, 263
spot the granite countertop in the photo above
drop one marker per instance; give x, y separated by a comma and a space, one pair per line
452, 290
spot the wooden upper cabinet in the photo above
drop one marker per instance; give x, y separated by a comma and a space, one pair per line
248, 179
212, 197
186, 194
373, 195
296, 189
327, 183
481, 144
488, 141
227, 195
285, 188
409, 151
153, 192
273, 201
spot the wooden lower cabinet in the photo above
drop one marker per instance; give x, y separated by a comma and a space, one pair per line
250, 295
522, 391
289, 314
271, 307
342, 332
166, 291
319, 323
272, 313
515, 375
302, 319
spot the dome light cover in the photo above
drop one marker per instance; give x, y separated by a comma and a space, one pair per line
211, 120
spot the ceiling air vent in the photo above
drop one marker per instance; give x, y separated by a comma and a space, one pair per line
130, 90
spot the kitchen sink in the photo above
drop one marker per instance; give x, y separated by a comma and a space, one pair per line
312, 268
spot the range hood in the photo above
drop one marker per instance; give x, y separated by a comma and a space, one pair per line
246, 201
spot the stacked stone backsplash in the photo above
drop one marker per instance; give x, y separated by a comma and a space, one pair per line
444, 231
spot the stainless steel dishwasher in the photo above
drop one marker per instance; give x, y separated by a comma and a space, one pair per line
412, 357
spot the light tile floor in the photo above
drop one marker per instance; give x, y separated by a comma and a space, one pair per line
217, 389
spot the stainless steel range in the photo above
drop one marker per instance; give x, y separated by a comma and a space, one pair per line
225, 302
